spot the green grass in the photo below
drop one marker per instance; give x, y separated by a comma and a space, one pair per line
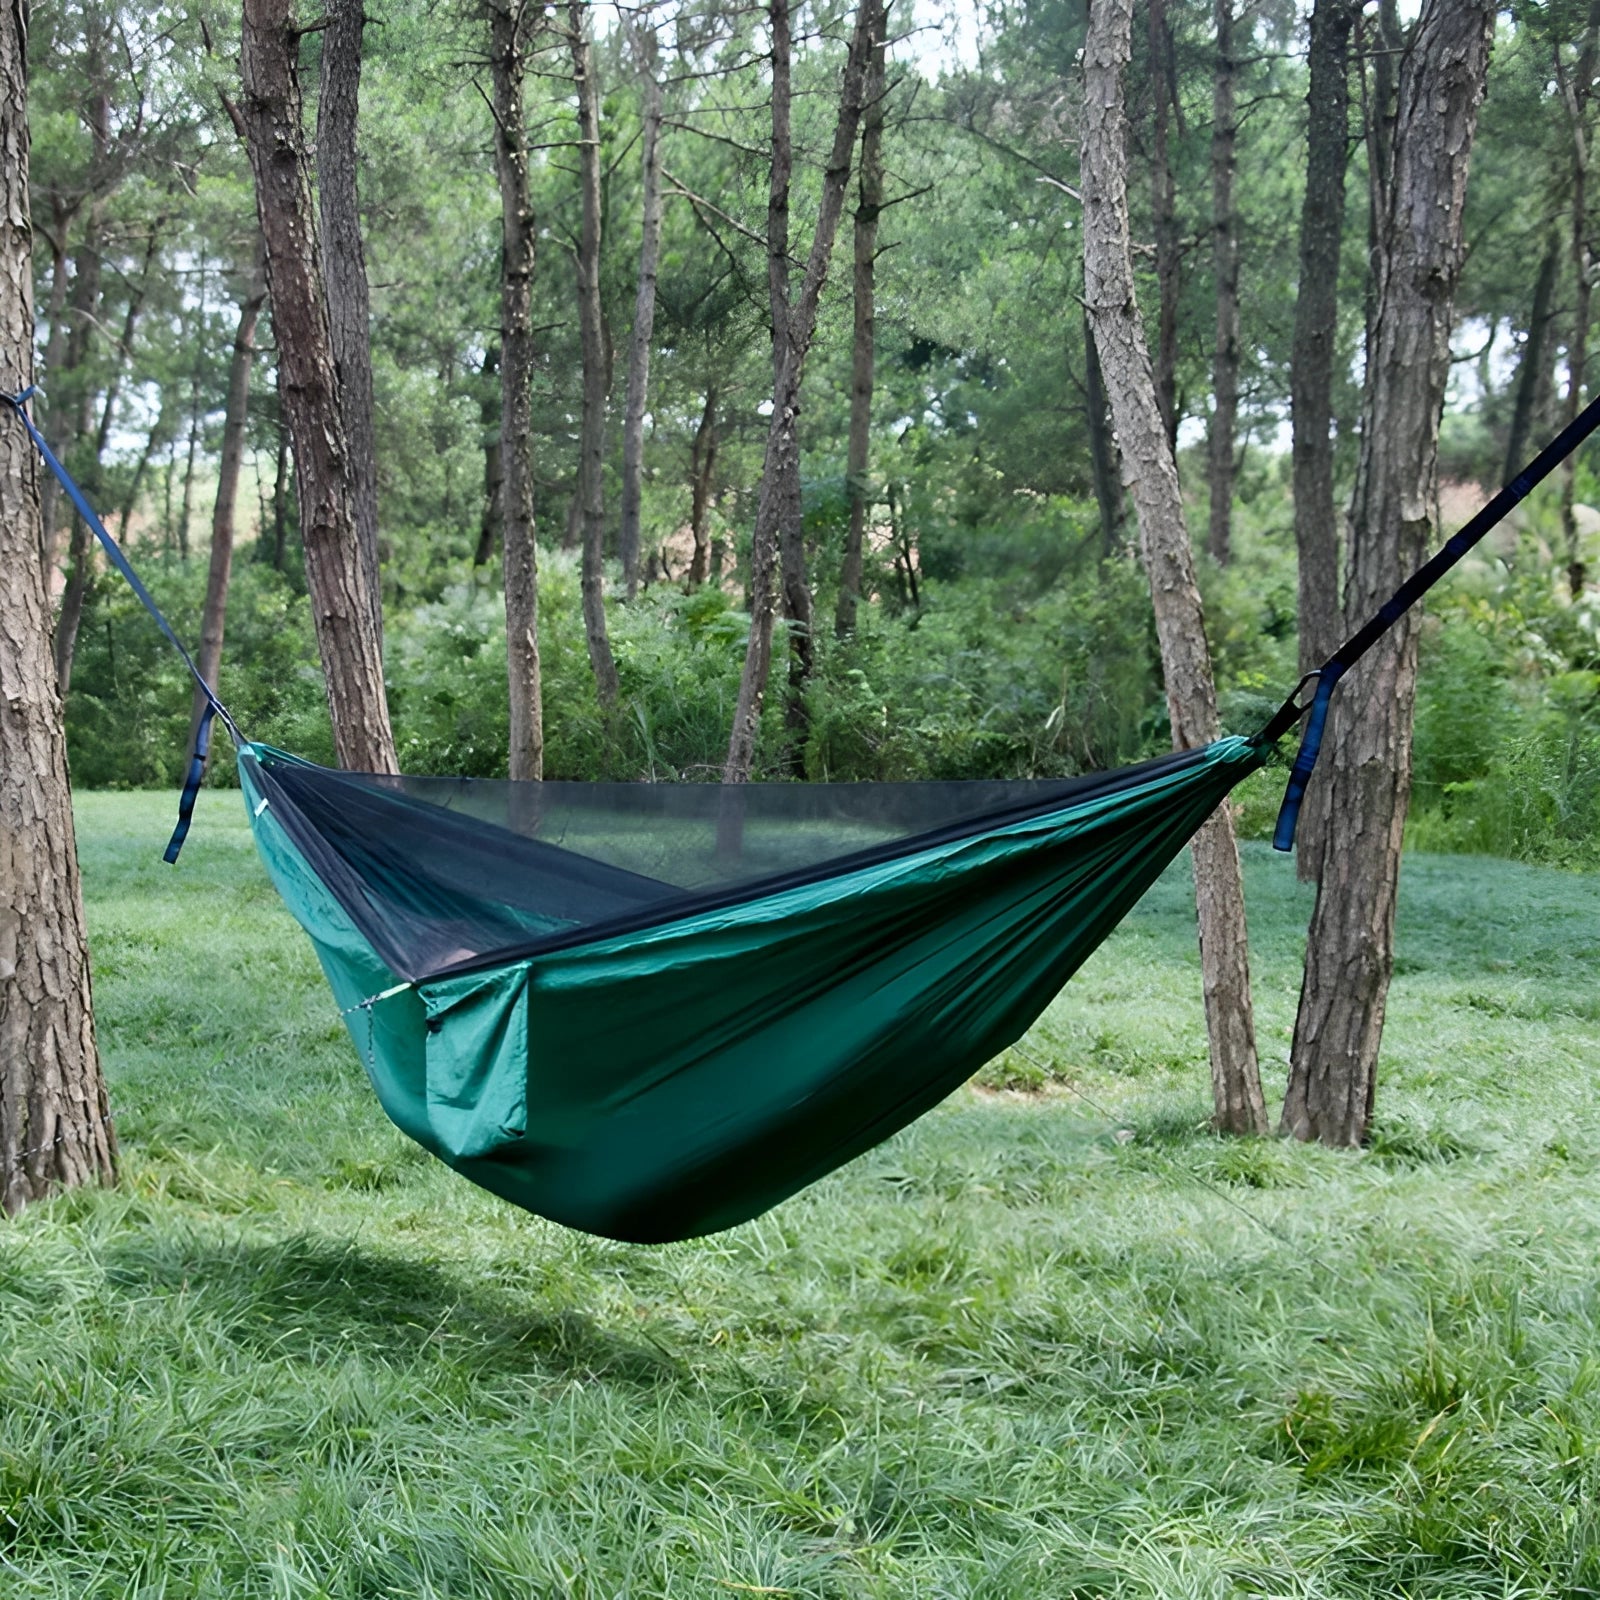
1029, 1348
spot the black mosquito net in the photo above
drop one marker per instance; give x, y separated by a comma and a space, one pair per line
447, 874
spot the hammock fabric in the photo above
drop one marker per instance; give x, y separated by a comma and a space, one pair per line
654, 1011
587, 1007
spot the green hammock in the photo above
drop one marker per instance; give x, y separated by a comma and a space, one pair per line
687, 1074
653, 1011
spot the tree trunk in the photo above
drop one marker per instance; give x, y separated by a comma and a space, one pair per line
518, 235
1102, 447
81, 554
346, 612
1151, 473
1367, 764
1533, 370
196, 417
1164, 207
280, 484
794, 326
702, 466
591, 332
55, 1119
644, 316
214, 616
864, 347
345, 264
1577, 93
493, 472
1316, 527
1382, 43
54, 351
1225, 262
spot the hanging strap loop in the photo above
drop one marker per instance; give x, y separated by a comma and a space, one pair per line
214, 708
1395, 607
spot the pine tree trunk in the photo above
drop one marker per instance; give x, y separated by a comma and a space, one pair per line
794, 326
55, 1120
518, 236
1225, 263
1533, 370
644, 316
493, 455
1151, 473
1577, 92
82, 552
702, 467
591, 330
864, 345
214, 616
346, 612
1102, 447
345, 264
1367, 762
1316, 526
1164, 207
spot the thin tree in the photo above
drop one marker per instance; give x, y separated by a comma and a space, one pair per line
81, 549
1225, 267
55, 1119
644, 306
592, 338
1534, 368
213, 617
702, 472
1164, 207
794, 324
347, 614
1577, 93
345, 266
510, 21
1151, 472
1367, 766
1311, 365
863, 350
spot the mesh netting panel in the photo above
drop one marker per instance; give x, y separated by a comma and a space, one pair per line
446, 873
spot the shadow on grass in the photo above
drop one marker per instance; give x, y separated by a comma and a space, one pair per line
312, 1300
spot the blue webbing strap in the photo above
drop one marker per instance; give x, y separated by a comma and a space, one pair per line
1396, 606
214, 707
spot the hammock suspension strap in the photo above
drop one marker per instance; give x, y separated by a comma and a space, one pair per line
214, 708
1327, 676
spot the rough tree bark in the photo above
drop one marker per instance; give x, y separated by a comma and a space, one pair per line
702, 468
1367, 764
1151, 473
644, 315
1316, 526
509, 22
345, 266
1164, 207
1577, 89
346, 612
794, 326
591, 332
213, 617
864, 347
1225, 266
1533, 370
55, 1120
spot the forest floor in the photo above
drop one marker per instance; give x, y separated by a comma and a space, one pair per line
1054, 1340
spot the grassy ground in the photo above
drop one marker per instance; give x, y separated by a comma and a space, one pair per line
1028, 1348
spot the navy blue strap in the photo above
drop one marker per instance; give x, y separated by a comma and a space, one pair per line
213, 707
1396, 606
